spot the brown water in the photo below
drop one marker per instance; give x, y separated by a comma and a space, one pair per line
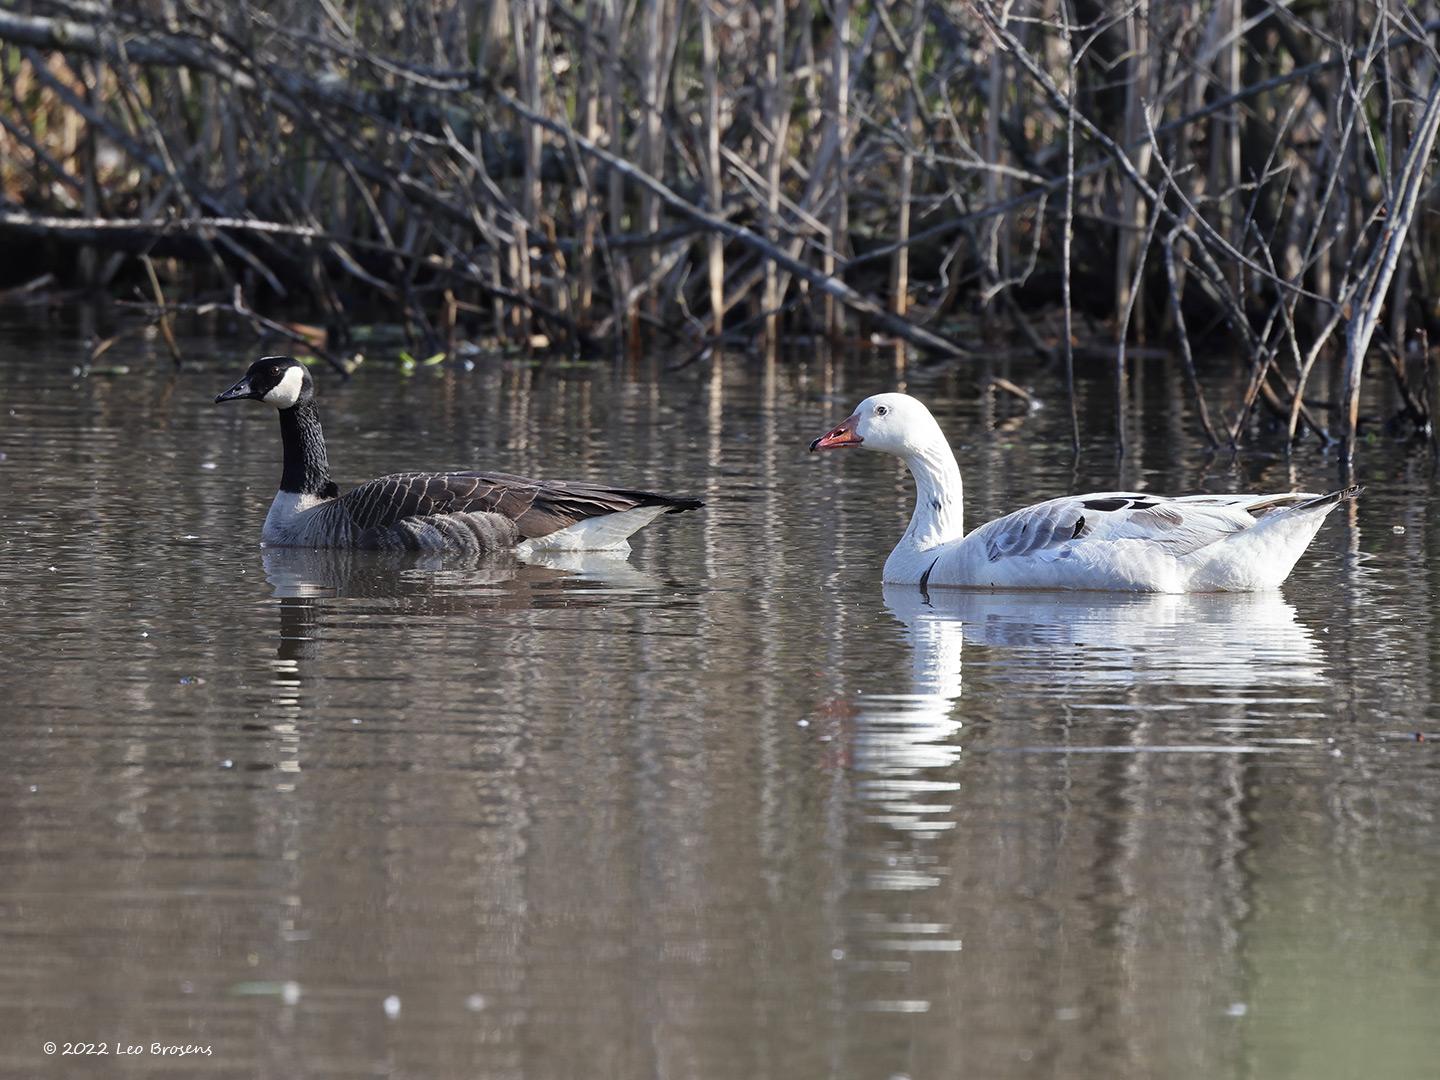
726, 809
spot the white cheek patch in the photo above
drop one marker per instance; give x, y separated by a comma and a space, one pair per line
287, 390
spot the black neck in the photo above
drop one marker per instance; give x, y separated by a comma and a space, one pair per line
307, 469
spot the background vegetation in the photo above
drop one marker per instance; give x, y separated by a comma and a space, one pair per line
1241, 176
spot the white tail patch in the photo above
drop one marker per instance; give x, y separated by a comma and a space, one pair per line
608, 532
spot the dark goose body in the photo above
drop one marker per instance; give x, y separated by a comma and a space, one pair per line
461, 512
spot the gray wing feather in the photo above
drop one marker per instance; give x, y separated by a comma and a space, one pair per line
1049, 526
1035, 528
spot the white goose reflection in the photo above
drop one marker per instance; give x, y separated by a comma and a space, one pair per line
903, 749
900, 738
906, 747
1054, 643
1097, 640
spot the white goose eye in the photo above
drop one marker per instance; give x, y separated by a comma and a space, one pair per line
881, 410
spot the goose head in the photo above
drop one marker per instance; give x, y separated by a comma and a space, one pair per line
893, 423
281, 381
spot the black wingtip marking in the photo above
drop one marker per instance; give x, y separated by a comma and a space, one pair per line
1334, 498
1133, 503
680, 505
1079, 527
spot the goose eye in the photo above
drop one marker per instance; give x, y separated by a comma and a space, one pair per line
881, 410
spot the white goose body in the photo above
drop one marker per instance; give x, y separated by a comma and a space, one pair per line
1106, 540
469, 513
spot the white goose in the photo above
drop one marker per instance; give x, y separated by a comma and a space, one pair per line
1113, 540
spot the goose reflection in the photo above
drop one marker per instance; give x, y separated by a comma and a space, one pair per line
295, 573
904, 750
304, 580
906, 747
904, 744
1112, 639
320, 591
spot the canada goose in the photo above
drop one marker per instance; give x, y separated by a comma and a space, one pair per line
1109, 540
459, 512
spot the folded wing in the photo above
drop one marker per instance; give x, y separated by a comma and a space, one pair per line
1178, 526
537, 507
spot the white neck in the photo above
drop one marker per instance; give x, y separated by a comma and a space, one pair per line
939, 516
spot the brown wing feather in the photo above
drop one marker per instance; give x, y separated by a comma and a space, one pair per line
538, 507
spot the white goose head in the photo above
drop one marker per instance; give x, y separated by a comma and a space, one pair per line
893, 423
281, 381
899, 424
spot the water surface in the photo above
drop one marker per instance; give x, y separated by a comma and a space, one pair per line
724, 809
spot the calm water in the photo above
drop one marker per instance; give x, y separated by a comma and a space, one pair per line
726, 809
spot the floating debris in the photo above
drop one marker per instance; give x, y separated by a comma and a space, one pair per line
289, 992
902, 1006
392, 1006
